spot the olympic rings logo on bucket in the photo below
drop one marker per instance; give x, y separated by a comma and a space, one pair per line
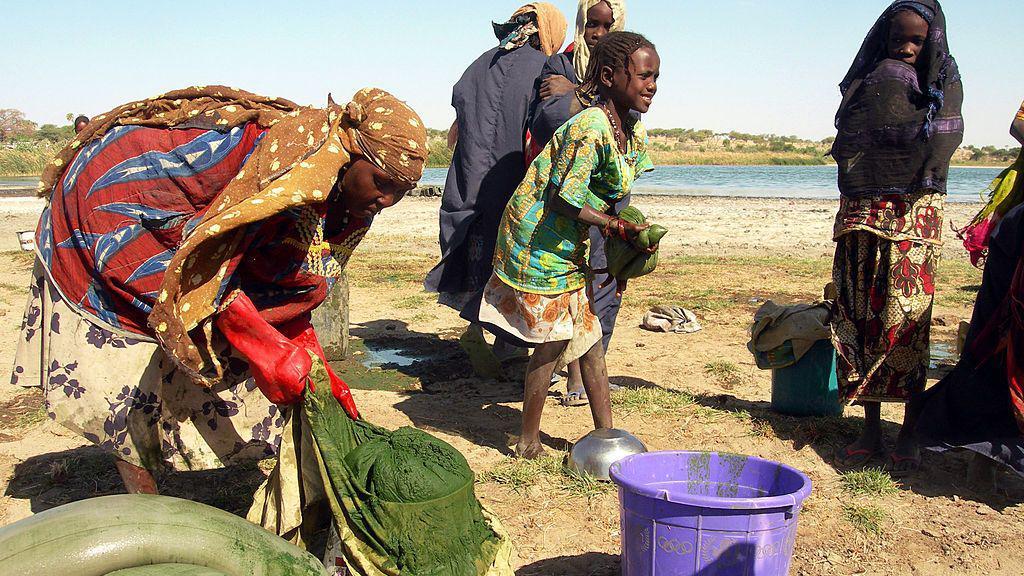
673, 545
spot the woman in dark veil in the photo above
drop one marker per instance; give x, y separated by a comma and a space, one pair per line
898, 126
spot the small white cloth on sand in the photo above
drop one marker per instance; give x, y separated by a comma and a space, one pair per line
670, 319
801, 324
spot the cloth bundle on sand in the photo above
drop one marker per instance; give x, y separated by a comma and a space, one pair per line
403, 502
1005, 192
670, 319
801, 325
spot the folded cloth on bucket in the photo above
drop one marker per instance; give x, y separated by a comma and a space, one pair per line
403, 501
800, 324
670, 319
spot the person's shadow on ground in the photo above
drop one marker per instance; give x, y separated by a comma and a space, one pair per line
587, 564
452, 399
57, 478
940, 474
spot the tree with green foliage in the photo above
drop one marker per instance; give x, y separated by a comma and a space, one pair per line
54, 133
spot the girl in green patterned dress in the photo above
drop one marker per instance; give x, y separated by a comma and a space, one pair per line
539, 289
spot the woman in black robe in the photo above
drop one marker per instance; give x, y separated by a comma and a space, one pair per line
979, 406
492, 103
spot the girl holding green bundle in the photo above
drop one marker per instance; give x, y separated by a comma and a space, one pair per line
539, 289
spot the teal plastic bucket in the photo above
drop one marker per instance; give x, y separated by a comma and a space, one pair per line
808, 387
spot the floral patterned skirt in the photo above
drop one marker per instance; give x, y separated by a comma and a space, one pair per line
540, 318
882, 315
126, 396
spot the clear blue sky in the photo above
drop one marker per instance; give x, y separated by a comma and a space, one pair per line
748, 65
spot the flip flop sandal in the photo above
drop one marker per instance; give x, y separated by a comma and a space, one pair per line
856, 457
898, 465
575, 398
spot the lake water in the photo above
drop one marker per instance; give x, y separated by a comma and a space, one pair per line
965, 184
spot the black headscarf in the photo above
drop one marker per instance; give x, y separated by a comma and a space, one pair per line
898, 125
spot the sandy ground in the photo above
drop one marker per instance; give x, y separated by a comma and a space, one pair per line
723, 257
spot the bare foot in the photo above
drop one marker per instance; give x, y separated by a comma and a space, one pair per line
529, 450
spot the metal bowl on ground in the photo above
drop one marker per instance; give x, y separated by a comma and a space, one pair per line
597, 451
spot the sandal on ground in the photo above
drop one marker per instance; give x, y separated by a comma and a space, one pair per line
856, 457
897, 465
575, 398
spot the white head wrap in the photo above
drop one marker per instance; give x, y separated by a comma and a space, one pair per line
581, 52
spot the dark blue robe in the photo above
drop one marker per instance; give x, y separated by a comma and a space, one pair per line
492, 105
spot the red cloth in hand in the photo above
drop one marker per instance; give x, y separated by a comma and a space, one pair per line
278, 357
279, 367
301, 333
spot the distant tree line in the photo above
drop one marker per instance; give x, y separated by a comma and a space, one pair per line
14, 127
991, 153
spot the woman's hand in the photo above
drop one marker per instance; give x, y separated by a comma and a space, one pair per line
279, 367
556, 85
620, 283
301, 333
633, 229
616, 227
279, 359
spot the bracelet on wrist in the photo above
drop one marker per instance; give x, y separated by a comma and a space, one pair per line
607, 231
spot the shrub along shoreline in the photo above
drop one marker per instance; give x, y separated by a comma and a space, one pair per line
674, 147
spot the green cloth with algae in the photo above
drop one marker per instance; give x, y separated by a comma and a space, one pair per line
403, 501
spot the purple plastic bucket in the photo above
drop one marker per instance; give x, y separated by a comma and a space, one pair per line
707, 513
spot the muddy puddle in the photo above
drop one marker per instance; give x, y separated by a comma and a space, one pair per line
383, 362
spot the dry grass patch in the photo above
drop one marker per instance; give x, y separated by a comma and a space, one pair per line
650, 400
520, 474
728, 374
414, 301
957, 283
714, 284
869, 482
370, 269
867, 519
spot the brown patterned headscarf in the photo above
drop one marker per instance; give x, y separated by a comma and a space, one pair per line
550, 25
388, 133
296, 164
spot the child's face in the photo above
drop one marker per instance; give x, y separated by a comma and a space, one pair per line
599, 22
636, 86
907, 34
